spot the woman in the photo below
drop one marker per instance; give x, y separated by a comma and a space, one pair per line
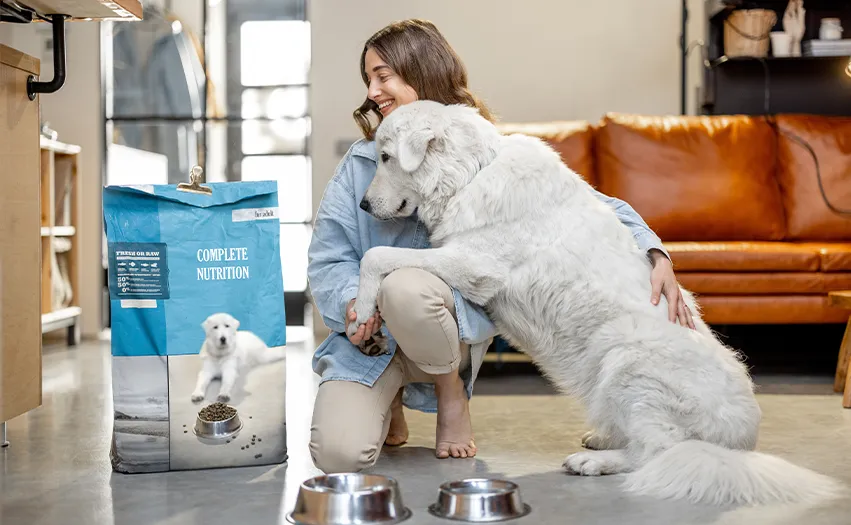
436, 339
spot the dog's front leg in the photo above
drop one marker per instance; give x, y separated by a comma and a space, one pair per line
229, 373
205, 376
477, 276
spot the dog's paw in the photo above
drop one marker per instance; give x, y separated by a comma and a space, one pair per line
223, 398
375, 345
197, 398
583, 464
595, 462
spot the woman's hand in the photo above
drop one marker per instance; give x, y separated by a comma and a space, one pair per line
365, 330
663, 280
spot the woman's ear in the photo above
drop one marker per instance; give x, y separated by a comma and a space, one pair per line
413, 147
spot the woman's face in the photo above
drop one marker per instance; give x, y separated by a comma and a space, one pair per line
386, 87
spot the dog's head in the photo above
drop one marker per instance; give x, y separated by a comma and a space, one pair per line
220, 330
427, 151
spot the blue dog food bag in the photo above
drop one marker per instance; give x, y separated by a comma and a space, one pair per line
198, 326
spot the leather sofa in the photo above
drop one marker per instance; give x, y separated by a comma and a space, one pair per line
735, 200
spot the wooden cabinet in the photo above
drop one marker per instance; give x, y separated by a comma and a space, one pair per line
20, 238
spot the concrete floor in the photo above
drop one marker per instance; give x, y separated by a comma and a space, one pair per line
57, 469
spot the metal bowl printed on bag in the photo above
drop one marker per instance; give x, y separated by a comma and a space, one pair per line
349, 499
217, 430
479, 501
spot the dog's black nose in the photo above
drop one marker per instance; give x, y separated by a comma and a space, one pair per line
364, 205
223, 339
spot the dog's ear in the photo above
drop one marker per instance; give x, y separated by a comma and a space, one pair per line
413, 148
235, 324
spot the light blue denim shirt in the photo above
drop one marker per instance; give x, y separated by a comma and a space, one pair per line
343, 233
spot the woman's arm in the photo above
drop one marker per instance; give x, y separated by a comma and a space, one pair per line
333, 267
662, 278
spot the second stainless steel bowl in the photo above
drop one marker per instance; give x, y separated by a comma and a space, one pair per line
479, 501
349, 499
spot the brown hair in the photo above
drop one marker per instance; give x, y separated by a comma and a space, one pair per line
418, 53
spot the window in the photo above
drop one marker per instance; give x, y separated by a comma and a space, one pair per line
222, 84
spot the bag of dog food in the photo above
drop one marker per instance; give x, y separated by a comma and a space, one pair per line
198, 325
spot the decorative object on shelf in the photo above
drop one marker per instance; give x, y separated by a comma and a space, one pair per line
830, 29
781, 44
827, 48
746, 32
794, 23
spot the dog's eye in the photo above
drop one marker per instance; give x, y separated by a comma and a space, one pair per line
216, 327
227, 326
385, 157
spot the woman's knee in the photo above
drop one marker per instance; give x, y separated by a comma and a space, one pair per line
336, 452
404, 293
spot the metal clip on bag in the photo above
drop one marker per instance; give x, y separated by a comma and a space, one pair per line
198, 325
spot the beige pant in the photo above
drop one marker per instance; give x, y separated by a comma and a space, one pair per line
351, 420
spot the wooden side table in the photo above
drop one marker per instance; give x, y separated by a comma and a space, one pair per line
842, 382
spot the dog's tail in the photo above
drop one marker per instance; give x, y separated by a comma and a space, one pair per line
270, 355
701, 472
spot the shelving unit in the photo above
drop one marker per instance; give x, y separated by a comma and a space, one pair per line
806, 84
60, 245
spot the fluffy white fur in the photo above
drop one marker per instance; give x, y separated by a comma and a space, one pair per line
227, 353
515, 230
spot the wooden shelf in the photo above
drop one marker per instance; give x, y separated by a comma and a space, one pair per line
88, 9
64, 318
60, 245
58, 147
58, 231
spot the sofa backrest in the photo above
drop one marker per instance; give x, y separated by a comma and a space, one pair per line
572, 139
691, 178
714, 178
808, 217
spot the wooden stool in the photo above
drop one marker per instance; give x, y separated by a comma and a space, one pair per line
842, 382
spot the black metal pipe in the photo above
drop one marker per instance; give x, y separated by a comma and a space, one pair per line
683, 58
34, 86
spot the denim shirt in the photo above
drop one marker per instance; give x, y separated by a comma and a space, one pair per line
343, 233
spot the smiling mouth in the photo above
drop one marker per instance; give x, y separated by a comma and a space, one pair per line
384, 105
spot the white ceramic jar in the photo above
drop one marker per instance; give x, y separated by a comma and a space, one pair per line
831, 29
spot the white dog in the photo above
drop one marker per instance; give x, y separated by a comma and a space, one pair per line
227, 353
513, 229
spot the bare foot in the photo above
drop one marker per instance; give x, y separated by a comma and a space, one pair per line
454, 429
398, 433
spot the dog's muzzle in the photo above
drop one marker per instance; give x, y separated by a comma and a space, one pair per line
364, 205
223, 340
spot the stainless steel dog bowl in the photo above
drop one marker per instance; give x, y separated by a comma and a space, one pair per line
349, 499
218, 429
479, 500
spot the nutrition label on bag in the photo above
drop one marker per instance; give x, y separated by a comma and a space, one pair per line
138, 271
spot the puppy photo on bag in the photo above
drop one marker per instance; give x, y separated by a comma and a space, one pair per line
198, 326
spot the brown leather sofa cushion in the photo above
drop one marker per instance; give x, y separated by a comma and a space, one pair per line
760, 256
836, 257
694, 178
717, 283
770, 309
573, 140
808, 217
